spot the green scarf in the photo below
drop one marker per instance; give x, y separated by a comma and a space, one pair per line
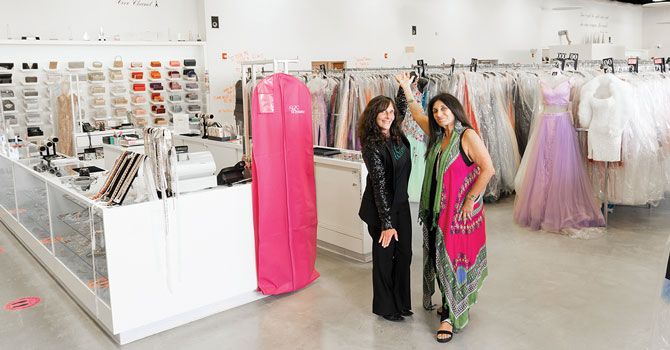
446, 159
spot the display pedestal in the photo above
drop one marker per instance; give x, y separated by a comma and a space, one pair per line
339, 188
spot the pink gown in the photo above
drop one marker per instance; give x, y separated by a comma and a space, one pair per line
284, 192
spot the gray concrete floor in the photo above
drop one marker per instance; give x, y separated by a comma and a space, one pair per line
545, 291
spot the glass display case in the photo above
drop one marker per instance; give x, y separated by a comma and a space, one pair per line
7, 198
79, 240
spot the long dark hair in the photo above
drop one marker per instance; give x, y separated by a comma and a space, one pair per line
436, 131
367, 129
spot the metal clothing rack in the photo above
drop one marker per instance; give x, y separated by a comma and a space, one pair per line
251, 68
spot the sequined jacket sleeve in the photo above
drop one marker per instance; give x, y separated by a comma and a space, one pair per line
401, 102
381, 183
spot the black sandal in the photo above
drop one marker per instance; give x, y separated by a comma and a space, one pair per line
443, 332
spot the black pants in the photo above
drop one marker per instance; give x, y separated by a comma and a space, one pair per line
390, 266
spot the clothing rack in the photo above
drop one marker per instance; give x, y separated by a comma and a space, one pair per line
253, 67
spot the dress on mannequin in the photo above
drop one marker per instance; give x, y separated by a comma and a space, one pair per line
553, 190
603, 110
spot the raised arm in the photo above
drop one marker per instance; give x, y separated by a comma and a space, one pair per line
415, 109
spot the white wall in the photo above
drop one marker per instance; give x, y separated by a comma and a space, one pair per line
51, 19
360, 32
655, 32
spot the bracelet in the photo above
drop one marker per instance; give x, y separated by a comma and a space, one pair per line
411, 101
471, 197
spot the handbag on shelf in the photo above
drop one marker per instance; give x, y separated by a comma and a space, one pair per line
137, 99
30, 93
189, 62
5, 78
97, 65
190, 74
115, 76
157, 97
119, 101
139, 87
33, 119
155, 64
7, 93
175, 98
174, 74
8, 106
120, 112
53, 65
175, 85
6, 66
97, 89
29, 66
118, 89
194, 108
139, 111
156, 86
98, 101
137, 75
191, 96
35, 131
136, 64
96, 76
160, 121
177, 109
172, 63
31, 79
155, 74
30, 105
192, 86
118, 62
75, 65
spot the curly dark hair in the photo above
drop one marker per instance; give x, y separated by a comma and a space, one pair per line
367, 129
457, 110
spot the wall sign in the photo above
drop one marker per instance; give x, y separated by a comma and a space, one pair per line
138, 3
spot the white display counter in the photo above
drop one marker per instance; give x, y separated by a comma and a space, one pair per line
136, 269
226, 153
340, 182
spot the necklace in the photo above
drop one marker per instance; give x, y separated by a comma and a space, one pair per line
397, 151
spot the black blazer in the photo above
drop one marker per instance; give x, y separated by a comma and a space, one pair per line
379, 200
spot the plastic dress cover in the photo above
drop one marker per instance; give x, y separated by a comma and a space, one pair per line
284, 192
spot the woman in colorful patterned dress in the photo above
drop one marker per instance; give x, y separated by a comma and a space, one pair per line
458, 168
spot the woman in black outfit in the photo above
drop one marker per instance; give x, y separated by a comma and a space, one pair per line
385, 207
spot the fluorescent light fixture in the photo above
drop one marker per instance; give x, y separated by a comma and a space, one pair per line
567, 8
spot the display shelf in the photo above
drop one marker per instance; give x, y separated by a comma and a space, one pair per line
9, 85
157, 102
100, 43
191, 89
93, 69
117, 81
157, 91
193, 101
137, 80
138, 92
29, 84
118, 94
8, 98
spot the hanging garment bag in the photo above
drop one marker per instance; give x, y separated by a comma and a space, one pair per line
284, 192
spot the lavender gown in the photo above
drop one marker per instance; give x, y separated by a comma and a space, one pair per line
553, 191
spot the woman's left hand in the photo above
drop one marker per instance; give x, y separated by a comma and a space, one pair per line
466, 211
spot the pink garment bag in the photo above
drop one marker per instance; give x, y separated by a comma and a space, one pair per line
284, 192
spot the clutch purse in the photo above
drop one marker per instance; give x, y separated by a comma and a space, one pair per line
5, 78
31, 80
97, 89
192, 86
6, 66
96, 76
98, 101
155, 74
156, 86
118, 89
193, 108
189, 62
139, 87
139, 99
115, 76
119, 101
137, 75
155, 64
177, 109
175, 85
7, 93
30, 93
136, 64
174, 74
97, 64
173, 63
175, 98
139, 111
157, 97
30, 66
